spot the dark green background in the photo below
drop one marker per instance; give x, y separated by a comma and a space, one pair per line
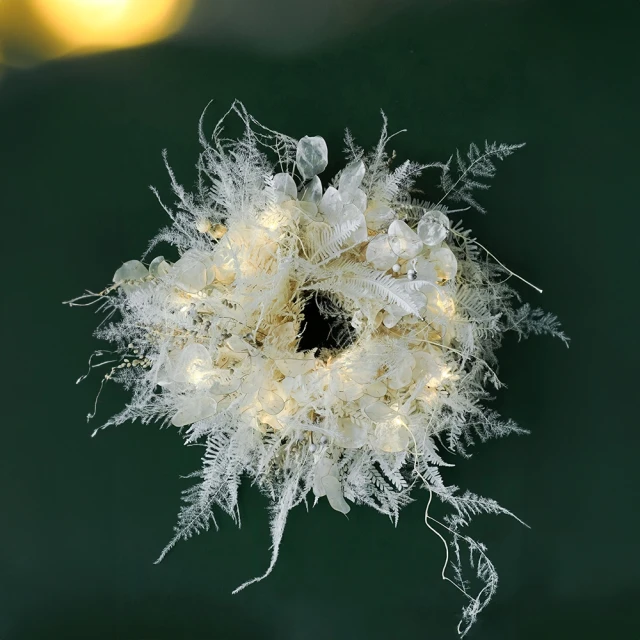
83, 519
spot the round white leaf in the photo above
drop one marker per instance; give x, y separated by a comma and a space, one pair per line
131, 270
331, 204
380, 254
433, 228
350, 180
379, 217
404, 242
193, 409
271, 402
312, 192
311, 156
445, 263
333, 490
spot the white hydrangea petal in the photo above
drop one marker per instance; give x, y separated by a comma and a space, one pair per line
285, 187
350, 180
380, 412
351, 434
351, 212
404, 241
306, 210
331, 204
391, 319
425, 269
250, 387
391, 437
272, 421
237, 344
295, 366
312, 156
433, 228
380, 254
312, 191
323, 467
349, 390
223, 262
402, 375
440, 305
225, 385
271, 402
361, 371
130, 270
445, 263
194, 365
427, 368
360, 234
193, 409
334, 494
190, 272
359, 200
376, 389
379, 217
159, 267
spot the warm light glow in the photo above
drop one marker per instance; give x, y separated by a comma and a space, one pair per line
198, 372
272, 219
446, 305
429, 395
110, 24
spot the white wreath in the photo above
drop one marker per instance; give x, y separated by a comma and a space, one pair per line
211, 342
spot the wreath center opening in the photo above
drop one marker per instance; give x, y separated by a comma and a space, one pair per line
325, 325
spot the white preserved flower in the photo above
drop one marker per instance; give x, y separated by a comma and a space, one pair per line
433, 228
425, 269
391, 436
444, 262
350, 181
359, 200
159, 267
404, 242
131, 270
285, 187
311, 156
334, 494
194, 408
380, 254
190, 272
331, 204
312, 191
379, 217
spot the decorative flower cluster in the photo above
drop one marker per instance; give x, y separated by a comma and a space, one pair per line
211, 342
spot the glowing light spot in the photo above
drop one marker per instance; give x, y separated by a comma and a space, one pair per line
273, 219
198, 372
110, 24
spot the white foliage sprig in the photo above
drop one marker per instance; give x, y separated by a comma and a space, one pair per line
473, 171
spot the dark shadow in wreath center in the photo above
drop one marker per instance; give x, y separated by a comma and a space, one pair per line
325, 326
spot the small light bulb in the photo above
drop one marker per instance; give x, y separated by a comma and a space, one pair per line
217, 231
203, 225
396, 268
412, 274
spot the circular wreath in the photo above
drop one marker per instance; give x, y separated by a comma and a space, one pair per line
227, 344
